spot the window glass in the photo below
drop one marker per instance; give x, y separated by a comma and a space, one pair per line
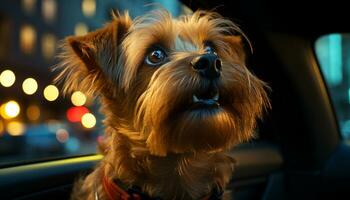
333, 53
36, 121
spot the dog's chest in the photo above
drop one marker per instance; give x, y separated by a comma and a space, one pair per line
183, 177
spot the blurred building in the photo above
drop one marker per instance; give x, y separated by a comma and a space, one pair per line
36, 121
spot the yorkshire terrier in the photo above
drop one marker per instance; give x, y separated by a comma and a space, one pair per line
176, 95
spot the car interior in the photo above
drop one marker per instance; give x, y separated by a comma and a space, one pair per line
299, 153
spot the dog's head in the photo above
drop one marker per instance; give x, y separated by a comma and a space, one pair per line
176, 85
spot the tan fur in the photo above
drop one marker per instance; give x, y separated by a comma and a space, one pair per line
152, 139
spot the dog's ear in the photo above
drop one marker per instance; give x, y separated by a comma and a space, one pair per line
236, 46
88, 61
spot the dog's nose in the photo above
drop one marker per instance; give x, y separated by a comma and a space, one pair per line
207, 65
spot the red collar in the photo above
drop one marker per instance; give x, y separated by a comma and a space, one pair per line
115, 192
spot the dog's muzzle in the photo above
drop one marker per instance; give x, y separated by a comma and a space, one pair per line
207, 65
207, 98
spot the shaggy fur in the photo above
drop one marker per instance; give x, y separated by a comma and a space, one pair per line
153, 139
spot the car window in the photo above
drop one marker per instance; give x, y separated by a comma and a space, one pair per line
333, 53
36, 120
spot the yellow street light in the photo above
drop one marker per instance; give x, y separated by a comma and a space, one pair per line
15, 128
88, 120
51, 93
7, 78
78, 98
29, 86
9, 110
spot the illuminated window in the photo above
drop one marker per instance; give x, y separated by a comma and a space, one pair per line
28, 6
88, 7
48, 45
27, 39
80, 29
49, 10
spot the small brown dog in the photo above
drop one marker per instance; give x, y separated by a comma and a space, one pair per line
175, 93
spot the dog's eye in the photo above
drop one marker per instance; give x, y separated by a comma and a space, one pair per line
209, 49
156, 57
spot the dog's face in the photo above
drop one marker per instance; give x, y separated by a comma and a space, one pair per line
175, 85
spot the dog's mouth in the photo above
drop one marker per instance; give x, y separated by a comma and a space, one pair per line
208, 98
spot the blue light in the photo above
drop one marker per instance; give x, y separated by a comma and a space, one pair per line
329, 53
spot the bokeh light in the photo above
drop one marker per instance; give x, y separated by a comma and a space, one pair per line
2, 111
51, 93
29, 86
78, 98
80, 29
9, 110
15, 128
49, 9
53, 125
27, 38
72, 145
88, 7
48, 45
88, 120
74, 114
62, 135
1, 128
7, 78
33, 112
28, 6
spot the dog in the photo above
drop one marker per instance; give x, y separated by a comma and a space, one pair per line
176, 95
